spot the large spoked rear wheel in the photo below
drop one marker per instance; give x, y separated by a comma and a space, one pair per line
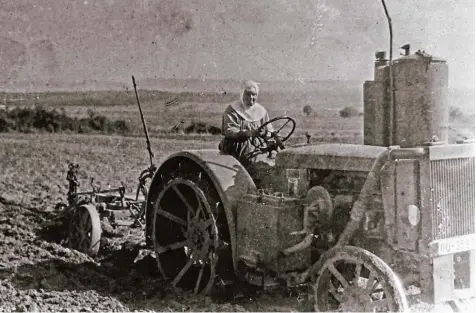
352, 279
185, 236
85, 230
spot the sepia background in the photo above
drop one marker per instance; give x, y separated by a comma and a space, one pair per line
66, 96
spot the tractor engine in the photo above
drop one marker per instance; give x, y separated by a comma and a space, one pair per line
428, 196
418, 210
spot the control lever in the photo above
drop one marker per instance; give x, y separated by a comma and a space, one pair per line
279, 143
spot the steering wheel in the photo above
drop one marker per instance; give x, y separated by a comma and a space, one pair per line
279, 140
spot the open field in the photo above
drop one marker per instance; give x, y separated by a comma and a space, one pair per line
204, 101
37, 273
207, 107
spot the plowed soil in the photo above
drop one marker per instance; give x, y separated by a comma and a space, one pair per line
37, 271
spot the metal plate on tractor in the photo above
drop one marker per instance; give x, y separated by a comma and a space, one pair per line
453, 245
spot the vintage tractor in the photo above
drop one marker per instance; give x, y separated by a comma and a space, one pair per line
362, 224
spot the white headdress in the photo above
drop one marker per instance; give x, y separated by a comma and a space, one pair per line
253, 113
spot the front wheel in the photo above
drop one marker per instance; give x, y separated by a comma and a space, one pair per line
351, 279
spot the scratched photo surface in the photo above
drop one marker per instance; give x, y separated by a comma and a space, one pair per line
122, 88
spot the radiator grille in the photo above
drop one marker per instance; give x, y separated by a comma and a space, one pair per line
453, 197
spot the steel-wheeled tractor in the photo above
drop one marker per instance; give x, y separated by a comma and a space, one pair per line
369, 227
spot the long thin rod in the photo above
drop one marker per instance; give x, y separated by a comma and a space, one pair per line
151, 155
392, 91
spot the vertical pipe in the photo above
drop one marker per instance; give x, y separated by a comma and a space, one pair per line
392, 103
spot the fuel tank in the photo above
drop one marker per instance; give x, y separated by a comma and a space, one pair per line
421, 105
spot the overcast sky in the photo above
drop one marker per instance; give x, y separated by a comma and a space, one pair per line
108, 40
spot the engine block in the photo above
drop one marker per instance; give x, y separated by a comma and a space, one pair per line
265, 223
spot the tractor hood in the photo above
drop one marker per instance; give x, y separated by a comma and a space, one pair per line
345, 157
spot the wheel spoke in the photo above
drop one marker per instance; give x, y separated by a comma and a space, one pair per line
199, 206
358, 270
379, 304
213, 263
370, 282
177, 191
379, 291
208, 223
189, 218
84, 219
89, 225
172, 246
171, 217
79, 220
183, 271
334, 292
282, 126
80, 244
79, 229
197, 284
377, 288
338, 275
82, 231
208, 242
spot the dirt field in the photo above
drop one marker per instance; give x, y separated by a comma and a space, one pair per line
38, 274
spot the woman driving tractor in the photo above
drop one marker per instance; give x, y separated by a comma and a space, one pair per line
240, 125
247, 130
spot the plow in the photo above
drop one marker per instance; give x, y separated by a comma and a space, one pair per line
85, 210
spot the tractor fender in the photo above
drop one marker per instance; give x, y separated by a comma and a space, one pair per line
229, 177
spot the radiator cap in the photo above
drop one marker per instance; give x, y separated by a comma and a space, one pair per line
464, 140
435, 141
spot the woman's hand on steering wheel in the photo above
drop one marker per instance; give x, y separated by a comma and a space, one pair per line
258, 133
277, 140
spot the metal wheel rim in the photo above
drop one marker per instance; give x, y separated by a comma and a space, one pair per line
199, 232
83, 231
372, 292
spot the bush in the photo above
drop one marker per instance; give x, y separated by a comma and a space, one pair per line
4, 124
307, 110
121, 127
349, 112
202, 128
39, 119
456, 114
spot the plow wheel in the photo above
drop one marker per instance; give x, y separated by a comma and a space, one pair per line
85, 230
185, 236
351, 279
